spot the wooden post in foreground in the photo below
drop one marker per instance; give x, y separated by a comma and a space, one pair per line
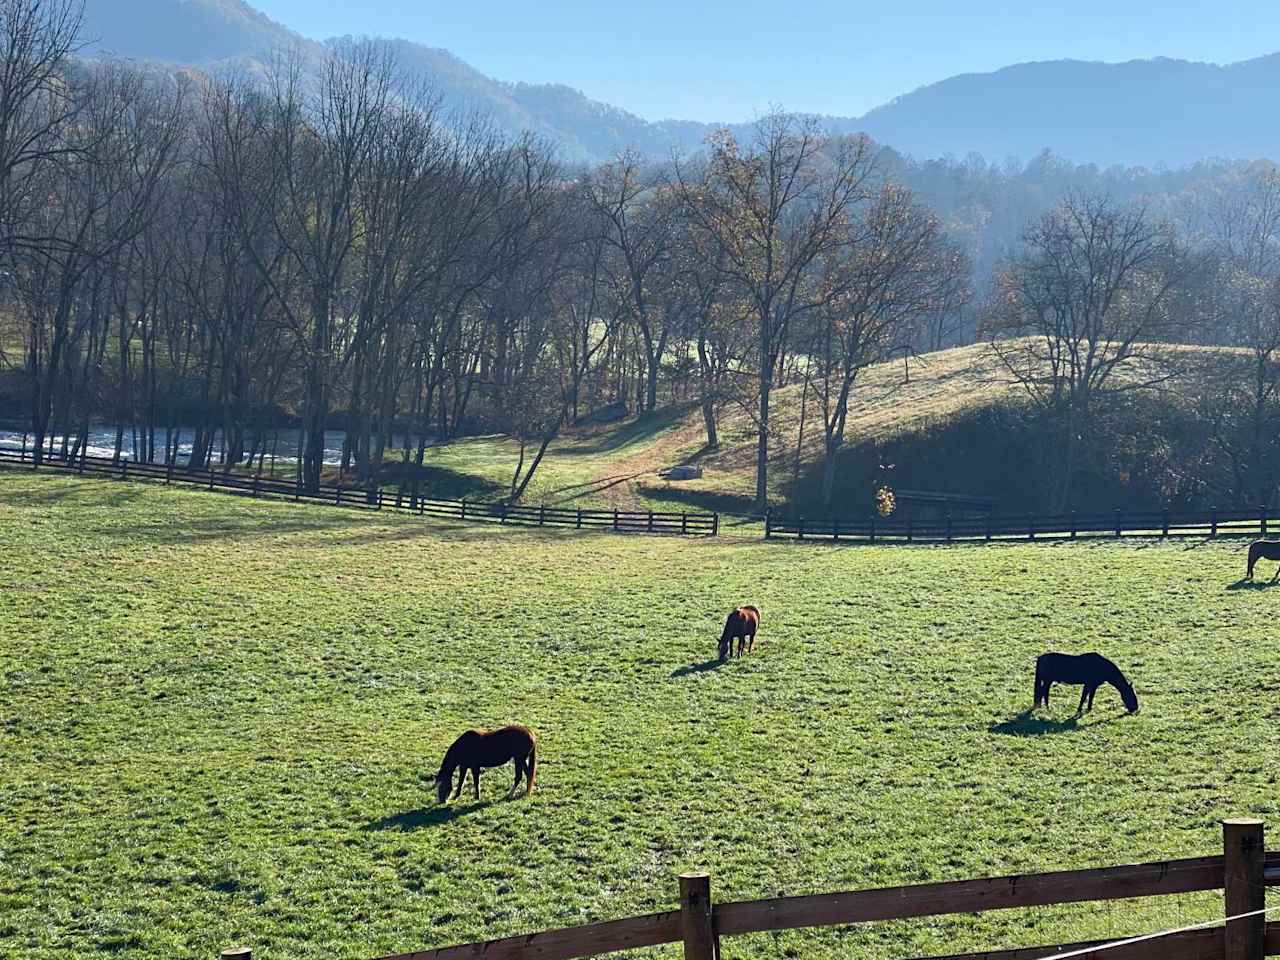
236, 953
1243, 850
696, 925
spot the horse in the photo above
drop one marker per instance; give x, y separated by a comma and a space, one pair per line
1263, 550
742, 626
1090, 669
476, 750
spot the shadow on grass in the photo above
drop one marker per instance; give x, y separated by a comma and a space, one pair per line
643, 427
1027, 724
703, 667
1253, 585
432, 816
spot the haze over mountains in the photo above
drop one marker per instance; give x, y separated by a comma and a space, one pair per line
1148, 112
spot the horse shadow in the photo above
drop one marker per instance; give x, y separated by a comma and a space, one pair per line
432, 816
712, 664
1253, 584
1027, 724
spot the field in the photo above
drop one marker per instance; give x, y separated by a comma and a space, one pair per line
219, 719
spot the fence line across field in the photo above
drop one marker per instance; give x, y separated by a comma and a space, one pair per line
256, 485
1242, 871
1027, 526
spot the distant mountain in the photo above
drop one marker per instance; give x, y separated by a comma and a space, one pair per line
1145, 112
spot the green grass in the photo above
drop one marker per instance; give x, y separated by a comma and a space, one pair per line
218, 721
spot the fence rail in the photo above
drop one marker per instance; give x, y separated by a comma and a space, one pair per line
1242, 872
620, 521
1063, 526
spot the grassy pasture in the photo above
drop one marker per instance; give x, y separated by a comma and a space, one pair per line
218, 720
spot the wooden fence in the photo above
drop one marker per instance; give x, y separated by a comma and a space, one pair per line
621, 521
1242, 872
1063, 526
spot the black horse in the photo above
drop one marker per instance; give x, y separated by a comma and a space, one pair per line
1090, 669
1263, 550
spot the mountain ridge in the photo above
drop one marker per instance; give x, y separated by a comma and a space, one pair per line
1143, 112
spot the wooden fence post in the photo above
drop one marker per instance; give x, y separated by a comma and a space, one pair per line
338, 496
22, 457
873, 528
1213, 522
542, 514
767, 520
651, 521
715, 524
1031, 526
910, 523
615, 519
1073, 524
168, 473
462, 509
835, 528
988, 527
1164, 523
124, 469
948, 526
236, 953
684, 522
1117, 524
799, 528
1262, 522
696, 925
1243, 850
579, 524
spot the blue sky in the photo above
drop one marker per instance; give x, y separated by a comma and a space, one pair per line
726, 61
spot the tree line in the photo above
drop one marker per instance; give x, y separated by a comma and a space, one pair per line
215, 252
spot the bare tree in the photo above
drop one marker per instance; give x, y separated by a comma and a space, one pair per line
899, 272
774, 210
1087, 312
37, 104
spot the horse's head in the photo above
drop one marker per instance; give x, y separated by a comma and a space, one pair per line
443, 783
1129, 697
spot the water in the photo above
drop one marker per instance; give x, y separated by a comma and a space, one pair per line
102, 443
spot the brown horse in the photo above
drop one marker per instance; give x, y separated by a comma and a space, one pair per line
476, 750
1263, 550
742, 626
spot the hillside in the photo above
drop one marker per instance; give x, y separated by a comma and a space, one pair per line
949, 421
618, 466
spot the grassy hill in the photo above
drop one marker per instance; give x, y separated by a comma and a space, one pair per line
219, 719
618, 465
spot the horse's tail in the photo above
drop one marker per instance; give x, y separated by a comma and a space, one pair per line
1255, 551
532, 766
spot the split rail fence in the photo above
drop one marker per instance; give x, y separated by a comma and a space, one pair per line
1243, 872
1064, 526
621, 521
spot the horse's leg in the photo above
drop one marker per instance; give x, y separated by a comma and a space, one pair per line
462, 779
1092, 690
1084, 691
1277, 574
519, 761
475, 778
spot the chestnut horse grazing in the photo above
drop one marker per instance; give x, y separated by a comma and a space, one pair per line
477, 750
1263, 550
742, 626
1090, 669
